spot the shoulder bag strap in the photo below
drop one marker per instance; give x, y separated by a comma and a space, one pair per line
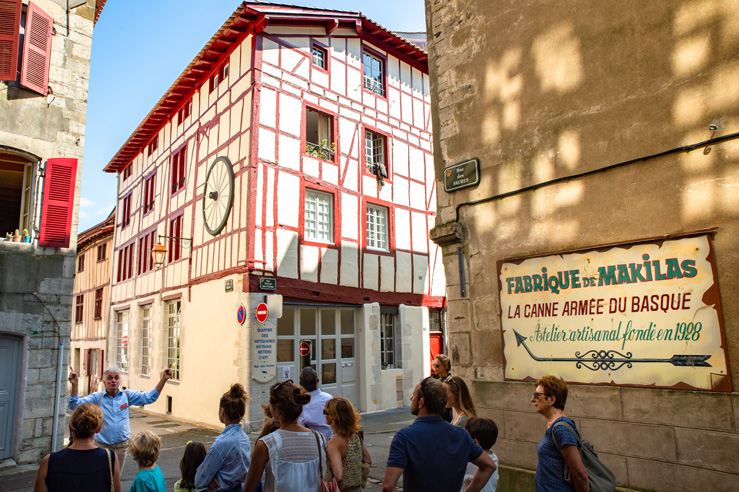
100, 400
110, 467
568, 427
320, 457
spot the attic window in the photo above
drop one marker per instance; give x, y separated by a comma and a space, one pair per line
319, 57
218, 76
153, 145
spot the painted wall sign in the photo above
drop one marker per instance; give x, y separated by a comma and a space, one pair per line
637, 314
267, 283
462, 175
264, 354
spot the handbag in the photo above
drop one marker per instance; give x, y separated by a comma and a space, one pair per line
110, 467
323, 486
600, 477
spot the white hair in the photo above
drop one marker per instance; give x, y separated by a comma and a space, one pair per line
110, 369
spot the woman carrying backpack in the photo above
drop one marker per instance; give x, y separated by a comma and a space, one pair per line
549, 401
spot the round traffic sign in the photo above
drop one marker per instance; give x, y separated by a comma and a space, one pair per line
262, 313
304, 348
241, 315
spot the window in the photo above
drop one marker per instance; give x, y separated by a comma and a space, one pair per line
125, 262
320, 57
178, 170
149, 194
102, 252
127, 172
435, 320
79, 308
36, 49
319, 221
153, 145
175, 230
99, 303
16, 180
377, 227
126, 211
374, 153
173, 338
146, 340
146, 261
121, 341
81, 263
319, 135
374, 73
184, 112
389, 339
218, 76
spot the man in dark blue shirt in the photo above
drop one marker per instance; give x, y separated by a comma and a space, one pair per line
432, 454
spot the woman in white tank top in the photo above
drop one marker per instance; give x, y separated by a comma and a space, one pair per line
291, 456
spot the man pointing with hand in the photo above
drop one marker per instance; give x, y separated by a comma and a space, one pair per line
115, 404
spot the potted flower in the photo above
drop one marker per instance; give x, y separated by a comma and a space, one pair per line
26, 236
17, 236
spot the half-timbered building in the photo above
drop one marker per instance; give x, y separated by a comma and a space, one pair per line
289, 164
91, 303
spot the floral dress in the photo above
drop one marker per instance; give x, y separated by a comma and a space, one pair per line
352, 464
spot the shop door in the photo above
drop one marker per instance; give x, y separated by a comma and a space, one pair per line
9, 360
332, 334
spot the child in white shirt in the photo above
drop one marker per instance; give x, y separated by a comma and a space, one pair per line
484, 432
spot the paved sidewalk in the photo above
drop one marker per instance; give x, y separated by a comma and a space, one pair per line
379, 428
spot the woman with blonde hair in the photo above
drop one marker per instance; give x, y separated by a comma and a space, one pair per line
459, 400
81, 467
346, 451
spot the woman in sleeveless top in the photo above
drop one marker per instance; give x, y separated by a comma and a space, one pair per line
82, 467
459, 400
345, 450
291, 455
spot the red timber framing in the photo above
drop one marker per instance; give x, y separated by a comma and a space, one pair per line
257, 180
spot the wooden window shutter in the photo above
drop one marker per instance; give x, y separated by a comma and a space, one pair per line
10, 26
58, 202
36, 50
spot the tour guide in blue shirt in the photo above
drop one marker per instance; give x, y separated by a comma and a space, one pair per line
115, 406
432, 454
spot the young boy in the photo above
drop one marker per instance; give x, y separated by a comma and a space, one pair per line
484, 432
144, 448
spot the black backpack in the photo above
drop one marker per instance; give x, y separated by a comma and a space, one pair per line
601, 478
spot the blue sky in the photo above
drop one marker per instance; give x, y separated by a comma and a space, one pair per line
139, 47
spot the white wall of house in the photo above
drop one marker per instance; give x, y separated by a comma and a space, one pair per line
256, 117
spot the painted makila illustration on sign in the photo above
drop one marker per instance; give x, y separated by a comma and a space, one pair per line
644, 314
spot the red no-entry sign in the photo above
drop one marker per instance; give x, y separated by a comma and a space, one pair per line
304, 348
262, 312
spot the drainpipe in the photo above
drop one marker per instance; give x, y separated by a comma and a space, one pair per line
57, 394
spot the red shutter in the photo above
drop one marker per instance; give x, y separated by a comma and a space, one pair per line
58, 202
36, 50
10, 26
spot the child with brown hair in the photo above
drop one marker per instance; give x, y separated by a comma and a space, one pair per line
144, 448
194, 455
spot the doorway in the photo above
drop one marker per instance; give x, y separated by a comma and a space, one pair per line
9, 366
331, 331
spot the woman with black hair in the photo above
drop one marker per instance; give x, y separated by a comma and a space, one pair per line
293, 455
227, 461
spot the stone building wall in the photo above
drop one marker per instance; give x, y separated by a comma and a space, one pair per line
562, 90
36, 282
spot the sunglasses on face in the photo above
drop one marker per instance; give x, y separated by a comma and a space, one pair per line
325, 412
537, 395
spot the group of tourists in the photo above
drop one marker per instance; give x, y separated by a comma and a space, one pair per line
310, 441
